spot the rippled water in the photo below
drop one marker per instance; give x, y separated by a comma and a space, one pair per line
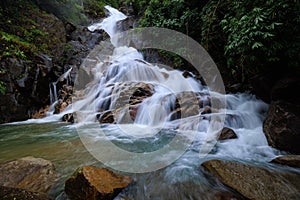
60, 143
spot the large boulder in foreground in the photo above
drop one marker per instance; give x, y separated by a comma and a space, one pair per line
7, 193
282, 126
29, 173
255, 182
92, 183
289, 160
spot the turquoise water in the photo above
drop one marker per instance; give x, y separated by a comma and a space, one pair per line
61, 144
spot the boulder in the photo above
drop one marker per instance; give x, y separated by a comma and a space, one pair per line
91, 183
7, 193
29, 173
255, 182
289, 160
227, 133
282, 126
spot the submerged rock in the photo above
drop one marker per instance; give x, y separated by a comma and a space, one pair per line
227, 133
282, 126
289, 160
255, 182
91, 183
29, 173
8, 193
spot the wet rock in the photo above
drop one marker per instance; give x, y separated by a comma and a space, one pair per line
255, 182
206, 110
186, 74
107, 117
84, 36
91, 183
127, 24
68, 118
289, 160
227, 196
8, 193
41, 113
29, 173
227, 133
282, 126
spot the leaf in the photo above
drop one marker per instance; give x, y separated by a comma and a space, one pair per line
256, 45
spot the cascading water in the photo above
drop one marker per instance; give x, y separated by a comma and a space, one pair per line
126, 67
53, 90
149, 105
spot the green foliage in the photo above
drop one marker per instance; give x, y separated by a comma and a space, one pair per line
179, 15
139, 6
95, 8
67, 10
13, 46
254, 33
243, 37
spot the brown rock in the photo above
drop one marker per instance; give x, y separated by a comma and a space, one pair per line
227, 196
91, 183
206, 110
107, 117
255, 182
41, 113
68, 118
7, 193
29, 173
289, 160
282, 126
227, 133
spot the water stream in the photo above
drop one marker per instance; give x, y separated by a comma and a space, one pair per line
150, 129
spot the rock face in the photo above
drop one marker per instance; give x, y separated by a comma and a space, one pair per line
29, 173
26, 78
289, 160
7, 193
255, 182
282, 126
92, 183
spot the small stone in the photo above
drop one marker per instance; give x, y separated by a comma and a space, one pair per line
227, 133
92, 183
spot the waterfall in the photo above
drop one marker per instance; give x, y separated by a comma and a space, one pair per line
53, 89
143, 98
136, 101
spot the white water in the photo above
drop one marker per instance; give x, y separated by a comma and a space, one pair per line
244, 112
122, 70
53, 89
